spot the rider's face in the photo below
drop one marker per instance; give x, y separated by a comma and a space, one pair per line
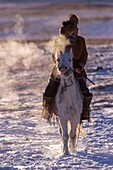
68, 33
75, 31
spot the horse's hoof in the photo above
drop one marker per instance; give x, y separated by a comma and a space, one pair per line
66, 153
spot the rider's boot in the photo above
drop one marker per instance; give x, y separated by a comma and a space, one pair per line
46, 114
48, 96
86, 108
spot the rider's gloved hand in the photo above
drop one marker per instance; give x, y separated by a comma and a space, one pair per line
77, 70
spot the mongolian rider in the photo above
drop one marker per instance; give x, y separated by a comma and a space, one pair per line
77, 43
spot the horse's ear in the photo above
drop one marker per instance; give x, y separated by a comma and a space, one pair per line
71, 52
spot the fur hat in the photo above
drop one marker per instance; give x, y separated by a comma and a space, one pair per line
67, 26
73, 19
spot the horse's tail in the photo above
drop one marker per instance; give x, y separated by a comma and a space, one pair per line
80, 131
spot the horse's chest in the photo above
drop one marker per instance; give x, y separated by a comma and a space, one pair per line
67, 95
65, 100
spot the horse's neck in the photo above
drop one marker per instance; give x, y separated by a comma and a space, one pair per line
67, 81
69, 89
70, 85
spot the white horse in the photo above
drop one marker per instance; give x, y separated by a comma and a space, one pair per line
69, 101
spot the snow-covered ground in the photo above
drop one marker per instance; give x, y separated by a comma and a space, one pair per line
28, 142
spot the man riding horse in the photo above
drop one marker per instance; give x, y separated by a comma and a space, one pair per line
77, 43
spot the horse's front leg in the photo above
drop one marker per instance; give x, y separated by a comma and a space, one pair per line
73, 138
64, 133
59, 126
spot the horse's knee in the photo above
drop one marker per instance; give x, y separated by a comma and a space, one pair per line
73, 135
65, 136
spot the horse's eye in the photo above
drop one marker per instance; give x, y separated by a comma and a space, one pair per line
69, 59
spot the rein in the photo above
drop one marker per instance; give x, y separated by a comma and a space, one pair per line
81, 75
86, 78
66, 85
64, 88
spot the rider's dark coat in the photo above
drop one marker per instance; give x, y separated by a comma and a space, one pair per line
80, 54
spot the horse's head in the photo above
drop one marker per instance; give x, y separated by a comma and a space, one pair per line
65, 63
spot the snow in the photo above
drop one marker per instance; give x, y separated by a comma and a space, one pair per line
29, 142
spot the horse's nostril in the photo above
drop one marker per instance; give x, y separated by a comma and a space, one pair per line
65, 68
